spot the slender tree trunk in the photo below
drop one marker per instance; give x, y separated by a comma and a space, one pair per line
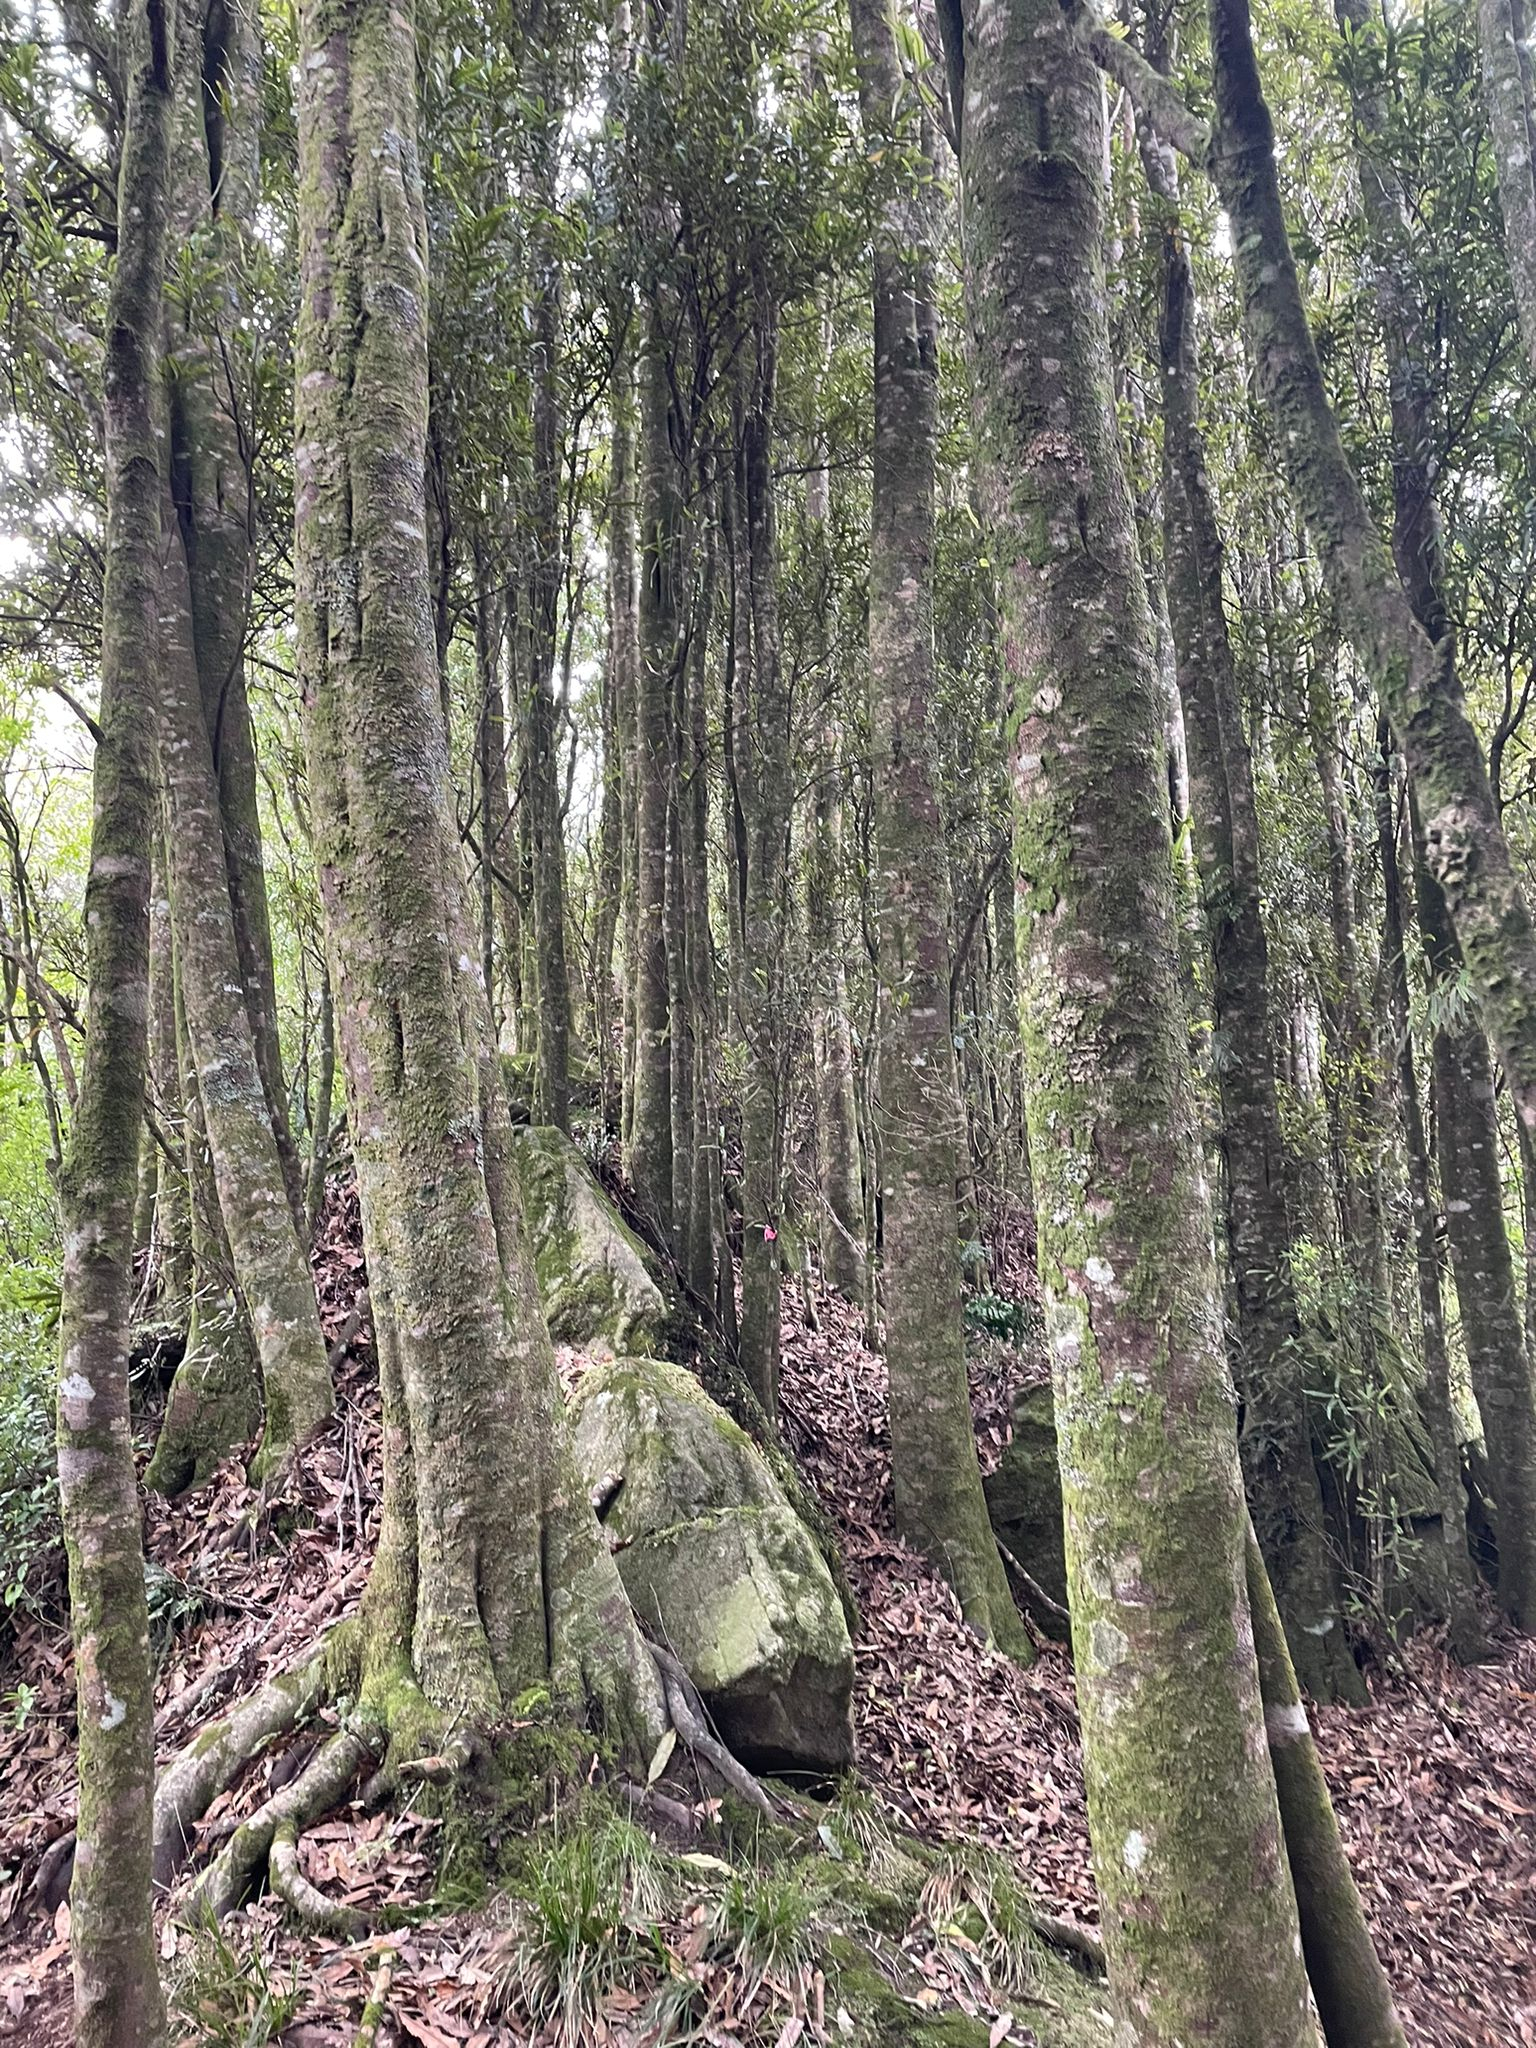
552, 1093
1466, 1632
1353, 1997
837, 1129
661, 516
492, 1574
117, 1986
217, 887
1181, 1801
1509, 93
934, 1474
1287, 1499
325, 1089
763, 775
1468, 1131
1463, 840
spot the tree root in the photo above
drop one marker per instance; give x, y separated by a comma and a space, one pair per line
1034, 1592
190, 1784
307, 1901
687, 1715
378, 1998
317, 1788
1071, 1937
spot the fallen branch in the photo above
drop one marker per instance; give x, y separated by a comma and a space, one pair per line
687, 1714
1034, 1591
307, 1901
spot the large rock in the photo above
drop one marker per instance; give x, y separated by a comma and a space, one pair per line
719, 1565
596, 1279
1024, 1498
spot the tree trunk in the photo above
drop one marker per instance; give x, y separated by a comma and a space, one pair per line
661, 516
1181, 1802
1277, 1441
763, 779
837, 1130
552, 1089
217, 887
1354, 2000
1467, 1127
1465, 1631
1463, 840
1509, 93
492, 1574
117, 1986
935, 1478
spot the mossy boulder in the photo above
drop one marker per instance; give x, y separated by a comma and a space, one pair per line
719, 1565
1024, 1498
597, 1281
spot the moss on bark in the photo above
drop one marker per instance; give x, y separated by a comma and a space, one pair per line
1200, 1918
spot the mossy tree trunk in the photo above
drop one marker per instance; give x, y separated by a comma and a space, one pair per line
207, 756
117, 1987
935, 1478
1269, 1360
1199, 1913
492, 1575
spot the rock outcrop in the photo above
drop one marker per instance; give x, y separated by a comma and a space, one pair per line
598, 1283
718, 1564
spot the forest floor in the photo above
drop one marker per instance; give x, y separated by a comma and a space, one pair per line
1435, 1780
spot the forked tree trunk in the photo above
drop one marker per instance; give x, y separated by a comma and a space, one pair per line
1181, 1800
117, 1987
492, 1574
935, 1478
1282, 1479
217, 887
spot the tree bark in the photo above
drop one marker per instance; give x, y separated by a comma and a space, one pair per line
492, 1574
1199, 1913
935, 1479
116, 1982
763, 781
1269, 1362
207, 755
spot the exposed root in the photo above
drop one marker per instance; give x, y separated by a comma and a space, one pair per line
317, 1788
451, 1761
378, 1999
687, 1714
190, 1784
1071, 1937
307, 1901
